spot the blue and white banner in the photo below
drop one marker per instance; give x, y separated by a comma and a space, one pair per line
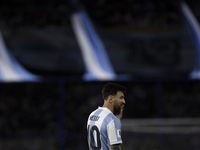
10, 69
194, 28
98, 66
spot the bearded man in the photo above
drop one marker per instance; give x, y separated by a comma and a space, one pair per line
104, 125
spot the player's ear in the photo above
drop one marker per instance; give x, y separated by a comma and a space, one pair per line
110, 98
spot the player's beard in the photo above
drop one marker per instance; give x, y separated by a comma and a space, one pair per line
116, 109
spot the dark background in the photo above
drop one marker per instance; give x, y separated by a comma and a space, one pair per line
146, 39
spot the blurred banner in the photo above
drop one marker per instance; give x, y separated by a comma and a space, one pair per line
194, 27
163, 54
94, 54
53, 51
10, 69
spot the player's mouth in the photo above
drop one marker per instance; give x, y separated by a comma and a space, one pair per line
122, 106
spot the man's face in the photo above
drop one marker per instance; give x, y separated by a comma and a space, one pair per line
118, 103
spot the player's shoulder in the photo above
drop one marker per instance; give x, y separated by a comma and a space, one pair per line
110, 116
104, 112
94, 112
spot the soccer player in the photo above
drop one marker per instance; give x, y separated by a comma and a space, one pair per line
103, 125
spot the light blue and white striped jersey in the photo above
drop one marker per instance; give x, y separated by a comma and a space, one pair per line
104, 129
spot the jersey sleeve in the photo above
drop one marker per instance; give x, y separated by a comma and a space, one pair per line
114, 132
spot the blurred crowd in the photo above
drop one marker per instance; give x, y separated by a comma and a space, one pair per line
34, 13
27, 109
143, 13
107, 13
181, 99
61, 110
161, 141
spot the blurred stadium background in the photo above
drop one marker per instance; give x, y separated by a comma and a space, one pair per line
151, 51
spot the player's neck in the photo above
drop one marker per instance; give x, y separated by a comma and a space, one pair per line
110, 107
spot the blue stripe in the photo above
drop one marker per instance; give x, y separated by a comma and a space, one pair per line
106, 121
195, 38
104, 134
117, 126
23, 74
1, 77
88, 76
96, 43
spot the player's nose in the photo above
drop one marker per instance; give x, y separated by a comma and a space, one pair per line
124, 102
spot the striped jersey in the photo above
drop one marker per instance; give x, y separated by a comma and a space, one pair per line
104, 129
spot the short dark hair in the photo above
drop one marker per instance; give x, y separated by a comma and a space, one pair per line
112, 89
